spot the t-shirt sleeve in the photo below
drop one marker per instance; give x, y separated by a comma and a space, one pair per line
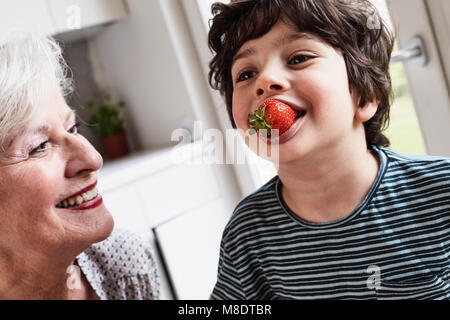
228, 285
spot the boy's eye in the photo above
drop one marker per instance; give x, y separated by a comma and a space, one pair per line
299, 58
245, 76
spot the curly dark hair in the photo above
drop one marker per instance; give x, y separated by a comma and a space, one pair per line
352, 26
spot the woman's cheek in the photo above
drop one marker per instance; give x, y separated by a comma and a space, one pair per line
48, 182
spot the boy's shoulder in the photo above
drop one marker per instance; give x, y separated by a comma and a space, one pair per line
416, 167
250, 207
412, 160
265, 193
396, 156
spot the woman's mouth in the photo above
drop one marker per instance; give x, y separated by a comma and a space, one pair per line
85, 199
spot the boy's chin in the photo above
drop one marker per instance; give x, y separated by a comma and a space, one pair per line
262, 148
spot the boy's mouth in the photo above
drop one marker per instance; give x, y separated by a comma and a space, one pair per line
286, 135
279, 139
298, 114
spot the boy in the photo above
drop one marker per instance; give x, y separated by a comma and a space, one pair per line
344, 218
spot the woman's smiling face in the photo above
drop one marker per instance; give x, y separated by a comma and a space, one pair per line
45, 162
308, 74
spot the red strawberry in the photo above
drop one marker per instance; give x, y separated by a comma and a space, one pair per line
272, 114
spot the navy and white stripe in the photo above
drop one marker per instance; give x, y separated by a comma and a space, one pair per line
402, 228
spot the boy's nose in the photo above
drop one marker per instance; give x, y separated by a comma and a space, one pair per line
270, 83
82, 157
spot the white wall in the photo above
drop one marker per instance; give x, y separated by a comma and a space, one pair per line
139, 62
150, 60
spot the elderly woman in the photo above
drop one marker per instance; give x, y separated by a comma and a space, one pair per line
56, 235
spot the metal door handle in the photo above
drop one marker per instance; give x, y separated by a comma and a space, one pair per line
416, 50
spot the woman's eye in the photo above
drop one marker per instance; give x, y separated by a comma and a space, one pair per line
74, 128
42, 147
245, 76
299, 58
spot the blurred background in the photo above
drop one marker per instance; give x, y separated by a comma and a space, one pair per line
140, 69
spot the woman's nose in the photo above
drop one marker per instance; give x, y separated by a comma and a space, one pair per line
271, 81
82, 157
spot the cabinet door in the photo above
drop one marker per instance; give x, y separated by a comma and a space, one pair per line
190, 246
126, 209
75, 14
24, 15
176, 190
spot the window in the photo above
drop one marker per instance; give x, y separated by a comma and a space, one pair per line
404, 131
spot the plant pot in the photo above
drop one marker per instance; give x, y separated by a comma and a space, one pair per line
115, 146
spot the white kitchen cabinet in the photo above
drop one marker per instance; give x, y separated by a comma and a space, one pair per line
190, 246
171, 192
126, 209
51, 17
179, 198
24, 15
67, 14
153, 187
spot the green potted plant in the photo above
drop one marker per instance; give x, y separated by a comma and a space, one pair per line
106, 123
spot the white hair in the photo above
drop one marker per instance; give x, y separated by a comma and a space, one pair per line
30, 65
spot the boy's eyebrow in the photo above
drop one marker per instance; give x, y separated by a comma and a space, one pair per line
37, 129
277, 43
290, 38
244, 54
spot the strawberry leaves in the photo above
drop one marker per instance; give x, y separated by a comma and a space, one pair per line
258, 121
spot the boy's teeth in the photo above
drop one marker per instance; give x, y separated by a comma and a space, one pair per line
79, 199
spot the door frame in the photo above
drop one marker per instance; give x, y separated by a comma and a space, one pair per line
428, 84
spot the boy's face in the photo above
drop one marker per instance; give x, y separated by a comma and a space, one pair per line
305, 72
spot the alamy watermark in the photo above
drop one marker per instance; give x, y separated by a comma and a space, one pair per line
218, 147
374, 280
73, 21
373, 19
73, 281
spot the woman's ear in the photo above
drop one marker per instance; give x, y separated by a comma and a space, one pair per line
363, 114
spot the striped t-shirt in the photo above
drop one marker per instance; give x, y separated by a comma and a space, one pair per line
394, 245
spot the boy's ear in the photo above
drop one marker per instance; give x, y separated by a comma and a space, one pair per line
363, 114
